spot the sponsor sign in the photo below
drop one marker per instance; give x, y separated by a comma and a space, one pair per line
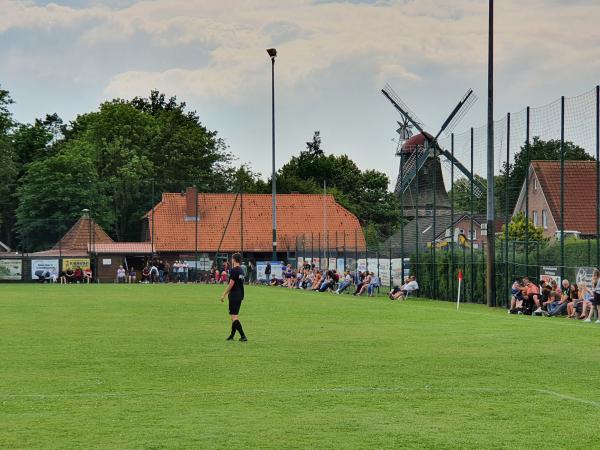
550, 273
332, 263
106, 261
372, 265
397, 275
44, 268
384, 272
340, 265
203, 264
584, 277
10, 269
74, 263
276, 270
362, 265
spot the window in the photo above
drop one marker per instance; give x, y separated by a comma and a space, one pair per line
535, 184
535, 218
545, 219
472, 235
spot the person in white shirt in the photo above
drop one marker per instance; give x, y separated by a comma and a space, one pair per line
409, 287
347, 282
120, 275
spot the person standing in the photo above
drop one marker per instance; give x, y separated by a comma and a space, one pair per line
268, 272
235, 294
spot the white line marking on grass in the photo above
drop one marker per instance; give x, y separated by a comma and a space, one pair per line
331, 390
569, 397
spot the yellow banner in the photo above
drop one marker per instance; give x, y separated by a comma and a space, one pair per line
74, 263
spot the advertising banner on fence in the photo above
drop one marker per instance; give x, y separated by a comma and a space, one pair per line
384, 272
584, 277
74, 263
11, 269
362, 265
317, 262
300, 262
43, 268
372, 265
276, 270
397, 275
550, 273
332, 264
340, 265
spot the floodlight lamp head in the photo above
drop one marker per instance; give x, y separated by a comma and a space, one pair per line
272, 52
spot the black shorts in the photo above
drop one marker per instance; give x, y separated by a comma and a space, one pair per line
596, 299
235, 303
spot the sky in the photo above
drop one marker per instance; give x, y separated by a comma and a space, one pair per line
333, 59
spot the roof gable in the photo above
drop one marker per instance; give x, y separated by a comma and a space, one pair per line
80, 235
579, 192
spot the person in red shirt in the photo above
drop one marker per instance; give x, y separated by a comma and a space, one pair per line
532, 293
78, 275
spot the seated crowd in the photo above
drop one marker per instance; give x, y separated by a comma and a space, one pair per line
551, 300
309, 277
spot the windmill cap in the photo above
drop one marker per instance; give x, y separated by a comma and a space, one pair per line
418, 140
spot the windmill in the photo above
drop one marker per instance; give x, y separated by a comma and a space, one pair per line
422, 152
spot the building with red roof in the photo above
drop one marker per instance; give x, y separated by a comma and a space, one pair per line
545, 200
226, 223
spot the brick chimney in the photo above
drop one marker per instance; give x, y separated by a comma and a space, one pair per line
191, 196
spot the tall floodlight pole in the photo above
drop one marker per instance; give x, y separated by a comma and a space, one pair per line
491, 229
272, 54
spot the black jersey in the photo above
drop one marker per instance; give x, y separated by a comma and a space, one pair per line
237, 276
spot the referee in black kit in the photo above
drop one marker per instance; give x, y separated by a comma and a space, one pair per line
235, 289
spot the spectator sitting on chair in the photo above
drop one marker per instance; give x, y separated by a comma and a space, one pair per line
120, 275
62, 278
586, 296
132, 276
69, 275
328, 283
596, 296
360, 282
576, 297
409, 288
373, 285
532, 295
395, 293
366, 283
558, 308
78, 275
516, 301
87, 275
344, 285
145, 274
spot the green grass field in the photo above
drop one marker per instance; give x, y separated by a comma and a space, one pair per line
144, 366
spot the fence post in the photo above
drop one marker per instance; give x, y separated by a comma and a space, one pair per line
416, 212
452, 218
562, 187
472, 194
597, 176
507, 282
527, 130
355, 252
433, 254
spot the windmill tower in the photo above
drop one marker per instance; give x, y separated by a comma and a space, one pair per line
420, 181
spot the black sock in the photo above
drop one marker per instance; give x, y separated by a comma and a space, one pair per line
233, 328
239, 328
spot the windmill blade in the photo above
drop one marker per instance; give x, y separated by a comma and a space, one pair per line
404, 130
458, 112
389, 93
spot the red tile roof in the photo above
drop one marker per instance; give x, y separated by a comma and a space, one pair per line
80, 235
297, 215
579, 192
144, 248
